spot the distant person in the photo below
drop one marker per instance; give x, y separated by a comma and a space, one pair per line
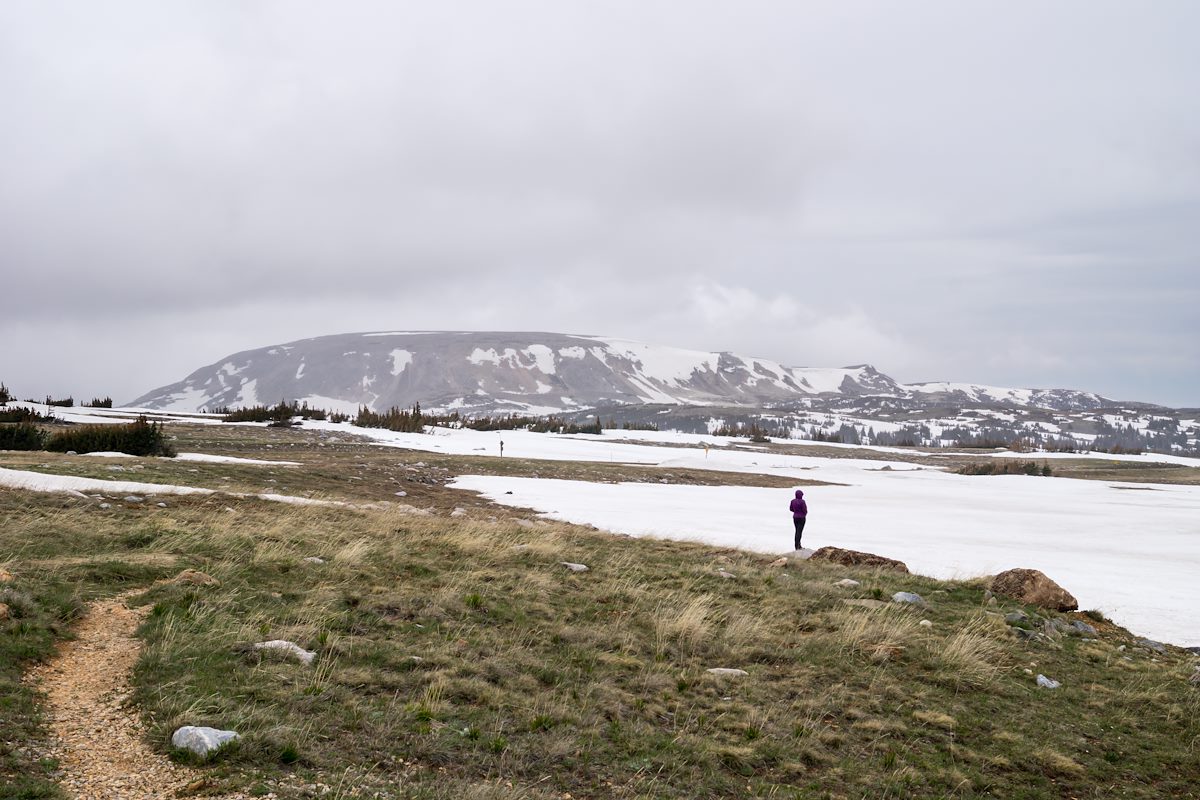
799, 515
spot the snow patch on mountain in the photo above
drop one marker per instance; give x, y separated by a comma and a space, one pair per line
400, 360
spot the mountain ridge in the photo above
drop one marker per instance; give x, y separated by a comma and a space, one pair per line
543, 373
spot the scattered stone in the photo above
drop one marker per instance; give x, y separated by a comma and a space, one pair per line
161, 505
925, 623
866, 603
1083, 628
908, 597
200, 740
105, 505
1028, 635
1047, 683
314, 560
1194, 651
520, 548
1016, 617
133, 498
415, 659
1150, 644
847, 583
779, 562
727, 671
401, 494
287, 648
4, 611
458, 512
1032, 587
855, 558
524, 523
725, 574
194, 577
574, 567
71, 453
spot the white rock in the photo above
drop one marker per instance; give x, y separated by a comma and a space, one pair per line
574, 567
524, 523
725, 574
925, 623
1047, 683
161, 505
289, 648
105, 505
726, 671
133, 498
202, 741
401, 494
908, 597
847, 583
458, 512
314, 560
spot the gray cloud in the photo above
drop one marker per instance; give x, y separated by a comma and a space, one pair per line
964, 191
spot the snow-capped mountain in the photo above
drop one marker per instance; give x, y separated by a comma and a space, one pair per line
538, 373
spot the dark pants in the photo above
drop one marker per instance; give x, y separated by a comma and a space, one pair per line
799, 522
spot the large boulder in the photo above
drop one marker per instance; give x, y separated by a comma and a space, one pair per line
1033, 588
854, 558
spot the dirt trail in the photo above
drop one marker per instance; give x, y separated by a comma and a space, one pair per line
96, 738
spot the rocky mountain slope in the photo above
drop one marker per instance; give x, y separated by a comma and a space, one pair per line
540, 373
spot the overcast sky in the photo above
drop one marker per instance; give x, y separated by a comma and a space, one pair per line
1003, 193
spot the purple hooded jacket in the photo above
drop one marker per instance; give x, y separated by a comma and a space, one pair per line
799, 507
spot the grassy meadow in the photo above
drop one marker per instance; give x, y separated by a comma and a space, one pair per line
458, 658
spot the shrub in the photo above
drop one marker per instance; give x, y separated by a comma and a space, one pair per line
98, 402
66, 402
5, 395
22, 436
138, 438
21, 414
1006, 467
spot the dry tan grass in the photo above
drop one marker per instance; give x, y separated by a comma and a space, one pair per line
1055, 763
936, 719
879, 634
687, 625
973, 655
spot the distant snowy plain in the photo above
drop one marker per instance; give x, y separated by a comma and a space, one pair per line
1130, 550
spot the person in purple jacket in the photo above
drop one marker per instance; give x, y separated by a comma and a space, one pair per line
799, 514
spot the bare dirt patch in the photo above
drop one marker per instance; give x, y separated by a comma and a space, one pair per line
97, 739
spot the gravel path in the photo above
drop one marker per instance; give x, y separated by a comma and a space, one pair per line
96, 737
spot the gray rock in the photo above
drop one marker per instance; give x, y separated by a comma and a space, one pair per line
1150, 644
1193, 650
925, 623
105, 505
401, 494
161, 505
314, 560
724, 574
524, 523
202, 741
458, 512
574, 567
287, 648
908, 597
1047, 683
133, 498
1083, 628
727, 672
1016, 617
847, 583
1027, 635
